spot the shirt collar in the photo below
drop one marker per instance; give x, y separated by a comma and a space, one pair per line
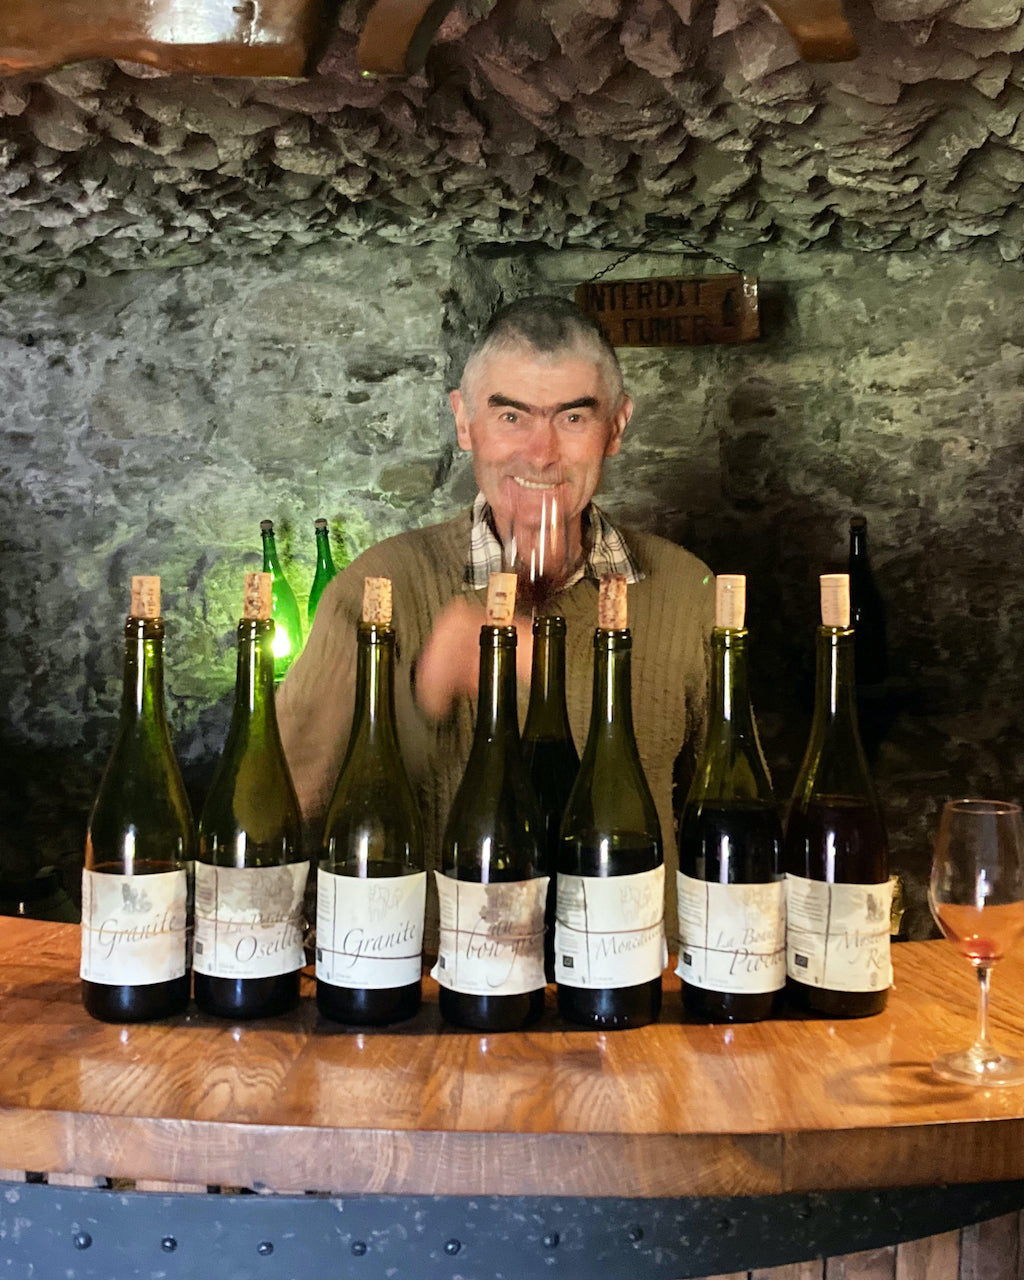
605, 549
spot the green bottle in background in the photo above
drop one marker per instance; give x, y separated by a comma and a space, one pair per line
138, 845
732, 909
325, 569
250, 872
610, 913
371, 885
491, 887
287, 622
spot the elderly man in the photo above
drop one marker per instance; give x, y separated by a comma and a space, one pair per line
540, 407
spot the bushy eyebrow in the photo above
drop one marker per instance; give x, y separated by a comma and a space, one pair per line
506, 402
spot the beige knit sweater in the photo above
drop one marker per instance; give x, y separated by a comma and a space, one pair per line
671, 613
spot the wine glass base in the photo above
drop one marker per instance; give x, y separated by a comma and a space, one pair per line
988, 1069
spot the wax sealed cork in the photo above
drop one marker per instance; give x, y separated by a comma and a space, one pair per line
612, 611
730, 600
258, 598
377, 601
319, 523
501, 599
145, 597
835, 600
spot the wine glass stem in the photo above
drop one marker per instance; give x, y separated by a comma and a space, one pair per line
982, 1044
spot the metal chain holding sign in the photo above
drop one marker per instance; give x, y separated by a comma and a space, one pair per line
673, 311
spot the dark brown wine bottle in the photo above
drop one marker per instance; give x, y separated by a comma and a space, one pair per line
836, 853
609, 923
250, 872
139, 842
551, 755
371, 886
731, 890
490, 964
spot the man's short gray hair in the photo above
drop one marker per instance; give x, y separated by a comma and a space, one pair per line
549, 327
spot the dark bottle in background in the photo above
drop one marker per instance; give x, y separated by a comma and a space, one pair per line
371, 886
609, 924
491, 890
325, 569
551, 755
836, 850
285, 608
876, 705
138, 845
250, 871
731, 890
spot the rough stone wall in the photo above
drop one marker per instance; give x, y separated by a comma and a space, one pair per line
149, 420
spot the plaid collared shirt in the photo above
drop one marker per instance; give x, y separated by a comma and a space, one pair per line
604, 548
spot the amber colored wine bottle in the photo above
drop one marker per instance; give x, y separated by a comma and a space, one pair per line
250, 871
491, 890
138, 845
836, 851
551, 755
371, 886
609, 923
731, 890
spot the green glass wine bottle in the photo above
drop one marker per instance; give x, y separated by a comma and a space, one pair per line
551, 755
325, 569
609, 923
287, 623
490, 964
836, 851
250, 871
731, 889
371, 885
139, 843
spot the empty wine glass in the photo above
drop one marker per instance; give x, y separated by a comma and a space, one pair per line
537, 550
976, 895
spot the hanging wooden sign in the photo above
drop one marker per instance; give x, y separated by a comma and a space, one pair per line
673, 311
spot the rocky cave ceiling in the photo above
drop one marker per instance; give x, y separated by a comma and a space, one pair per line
598, 123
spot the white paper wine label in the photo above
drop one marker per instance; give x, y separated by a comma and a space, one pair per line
134, 928
837, 935
610, 930
732, 937
369, 932
249, 920
492, 936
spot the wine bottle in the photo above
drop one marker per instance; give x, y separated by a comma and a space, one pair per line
867, 611
731, 890
609, 923
490, 964
285, 613
250, 872
325, 569
551, 755
836, 854
371, 885
138, 845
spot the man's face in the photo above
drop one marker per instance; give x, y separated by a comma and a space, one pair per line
539, 428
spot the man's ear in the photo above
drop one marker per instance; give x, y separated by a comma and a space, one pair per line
621, 417
461, 412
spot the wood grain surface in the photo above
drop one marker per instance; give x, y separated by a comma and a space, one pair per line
295, 1103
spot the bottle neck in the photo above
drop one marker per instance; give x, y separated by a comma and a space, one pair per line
324, 559
547, 715
729, 693
142, 697
834, 691
374, 715
611, 712
858, 544
497, 714
254, 681
270, 560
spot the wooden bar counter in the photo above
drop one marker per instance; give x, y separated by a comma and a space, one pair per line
297, 1104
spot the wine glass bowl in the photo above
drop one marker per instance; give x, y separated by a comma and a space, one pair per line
976, 895
537, 549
